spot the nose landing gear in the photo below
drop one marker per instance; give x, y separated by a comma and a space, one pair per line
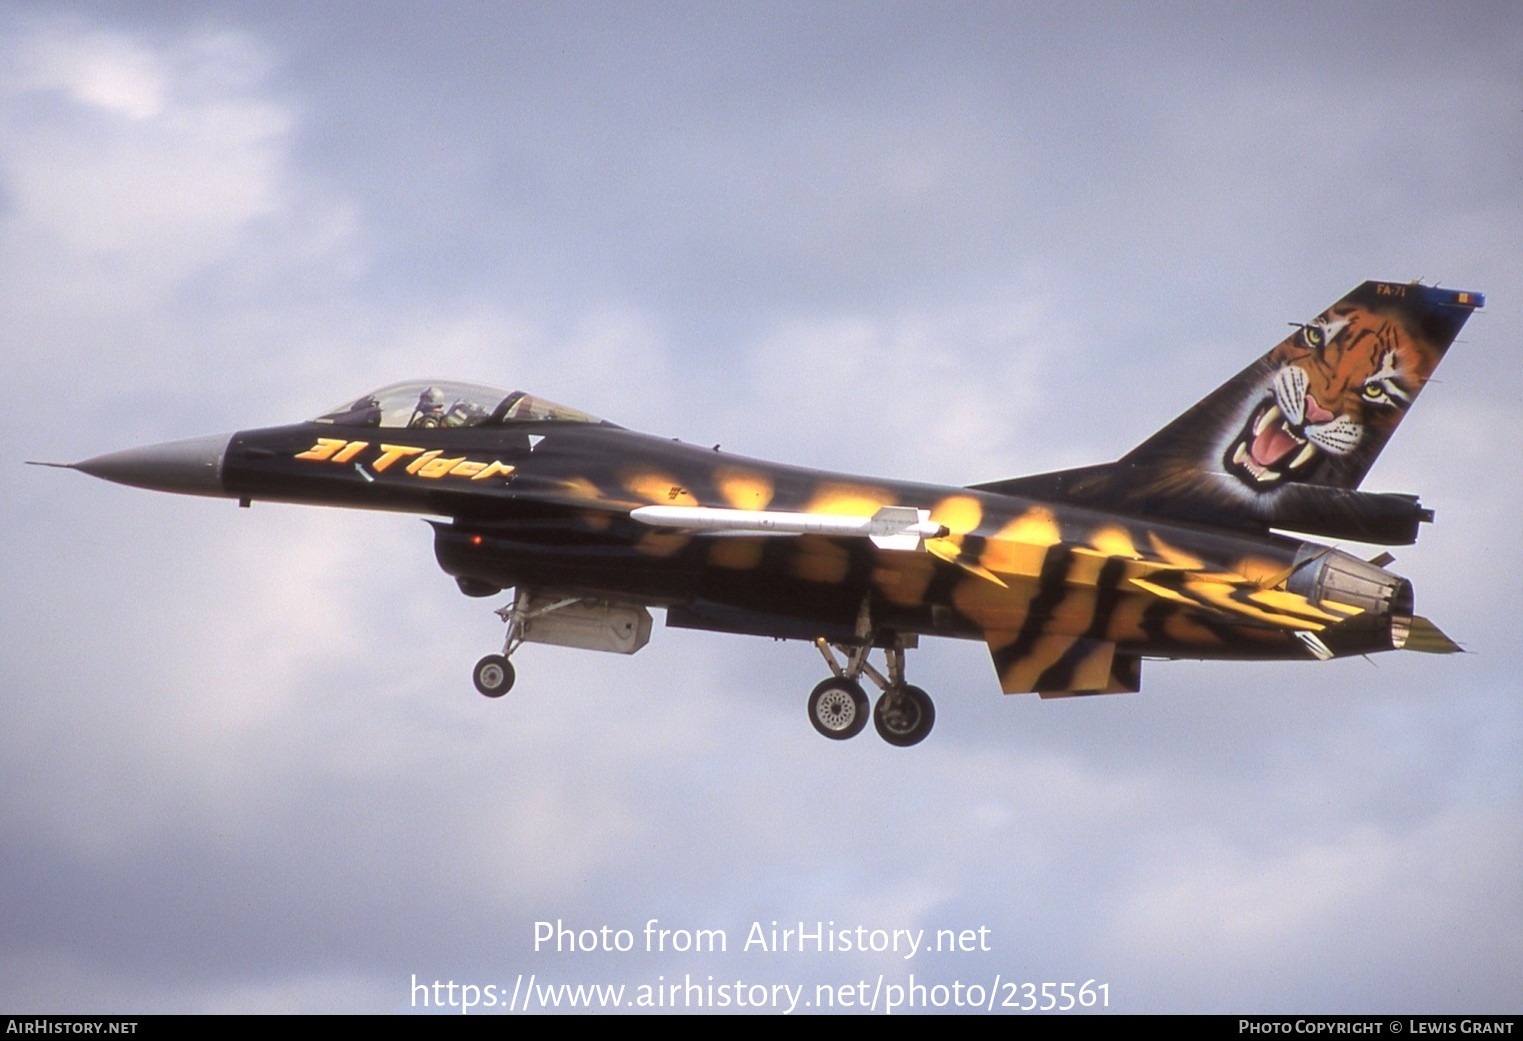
494, 675
565, 620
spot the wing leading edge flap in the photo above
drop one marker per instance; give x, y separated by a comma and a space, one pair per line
1055, 665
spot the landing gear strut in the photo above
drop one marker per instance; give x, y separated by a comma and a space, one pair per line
494, 674
904, 714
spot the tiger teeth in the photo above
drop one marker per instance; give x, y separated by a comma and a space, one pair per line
1240, 455
1304, 456
1270, 416
1269, 475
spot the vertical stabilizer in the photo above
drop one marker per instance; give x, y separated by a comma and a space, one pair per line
1319, 407
1286, 442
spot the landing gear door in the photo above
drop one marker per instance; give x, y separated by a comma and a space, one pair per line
592, 625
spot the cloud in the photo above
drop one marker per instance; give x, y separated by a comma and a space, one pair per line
1313, 917
245, 765
143, 165
100, 69
153, 205
918, 394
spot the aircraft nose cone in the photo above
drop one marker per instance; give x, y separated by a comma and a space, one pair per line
190, 467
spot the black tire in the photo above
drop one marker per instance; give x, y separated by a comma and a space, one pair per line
904, 718
838, 708
493, 675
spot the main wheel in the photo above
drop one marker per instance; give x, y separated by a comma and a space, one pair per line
493, 675
904, 717
838, 708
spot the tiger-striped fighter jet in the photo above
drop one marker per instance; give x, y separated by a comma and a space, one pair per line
1071, 578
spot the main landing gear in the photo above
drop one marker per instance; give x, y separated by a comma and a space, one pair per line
904, 714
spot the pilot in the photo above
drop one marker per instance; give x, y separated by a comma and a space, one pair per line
430, 410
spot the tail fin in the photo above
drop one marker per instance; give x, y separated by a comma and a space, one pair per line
1286, 442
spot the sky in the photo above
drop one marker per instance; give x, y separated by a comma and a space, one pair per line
243, 765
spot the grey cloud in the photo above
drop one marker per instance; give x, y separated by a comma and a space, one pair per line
246, 767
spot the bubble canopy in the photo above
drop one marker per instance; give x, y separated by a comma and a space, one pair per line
446, 404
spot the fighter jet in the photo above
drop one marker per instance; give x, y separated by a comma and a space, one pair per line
1177, 550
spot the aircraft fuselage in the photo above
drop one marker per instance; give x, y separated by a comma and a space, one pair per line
1070, 578
556, 514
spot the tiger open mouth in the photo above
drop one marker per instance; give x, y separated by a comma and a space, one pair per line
1269, 449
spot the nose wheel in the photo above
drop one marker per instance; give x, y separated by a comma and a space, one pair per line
494, 675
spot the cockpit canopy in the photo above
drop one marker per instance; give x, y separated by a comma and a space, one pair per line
446, 404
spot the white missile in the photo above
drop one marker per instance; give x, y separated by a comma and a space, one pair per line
892, 527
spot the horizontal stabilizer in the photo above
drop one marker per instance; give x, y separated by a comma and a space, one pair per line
1429, 639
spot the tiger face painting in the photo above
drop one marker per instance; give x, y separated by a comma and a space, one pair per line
1286, 442
1338, 390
